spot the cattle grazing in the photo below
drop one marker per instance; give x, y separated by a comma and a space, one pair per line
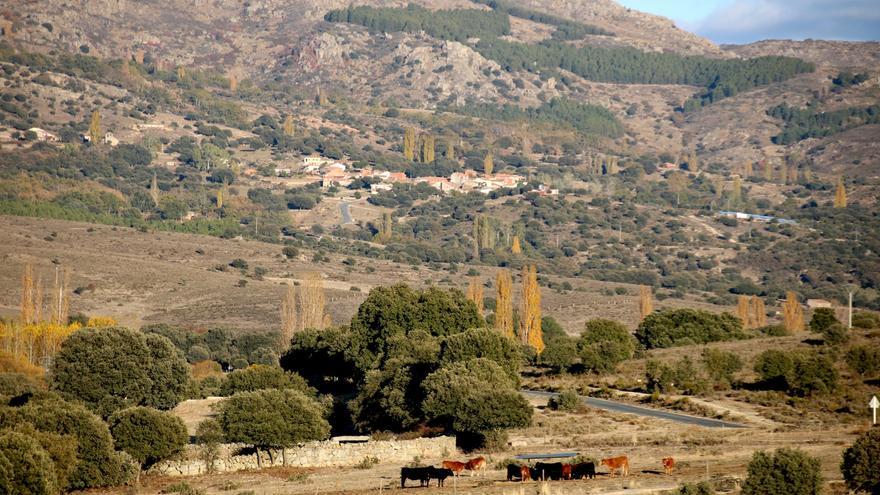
420, 474
617, 463
548, 471
521, 473
477, 464
455, 466
583, 470
566, 471
440, 475
668, 465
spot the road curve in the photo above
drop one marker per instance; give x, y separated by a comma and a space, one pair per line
346, 214
623, 407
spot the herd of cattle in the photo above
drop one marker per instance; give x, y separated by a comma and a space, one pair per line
521, 472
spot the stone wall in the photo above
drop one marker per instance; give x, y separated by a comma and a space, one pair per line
314, 454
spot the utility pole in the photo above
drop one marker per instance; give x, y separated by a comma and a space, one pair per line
849, 316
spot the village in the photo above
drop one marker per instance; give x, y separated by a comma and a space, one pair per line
336, 173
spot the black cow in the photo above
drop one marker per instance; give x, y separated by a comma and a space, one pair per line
520, 472
441, 474
583, 470
548, 471
420, 474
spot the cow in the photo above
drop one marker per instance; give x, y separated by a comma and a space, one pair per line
455, 466
668, 465
566, 471
522, 472
617, 463
477, 464
420, 474
440, 474
583, 470
548, 471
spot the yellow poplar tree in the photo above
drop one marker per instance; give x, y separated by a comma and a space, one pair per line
759, 312
154, 190
743, 311
515, 247
26, 307
840, 194
488, 163
475, 292
792, 313
504, 303
95, 127
768, 170
288, 126
288, 317
409, 144
747, 169
427, 148
311, 301
233, 83
646, 302
530, 314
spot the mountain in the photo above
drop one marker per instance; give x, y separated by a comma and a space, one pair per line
645, 130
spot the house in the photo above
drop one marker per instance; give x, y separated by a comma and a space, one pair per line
819, 303
758, 218
380, 187
335, 176
283, 171
315, 160
44, 135
110, 139
397, 177
667, 167
440, 183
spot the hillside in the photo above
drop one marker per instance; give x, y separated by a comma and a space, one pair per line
643, 148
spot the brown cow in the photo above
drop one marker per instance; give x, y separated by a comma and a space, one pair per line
566, 471
454, 466
668, 465
476, 464
617, 463
518, 471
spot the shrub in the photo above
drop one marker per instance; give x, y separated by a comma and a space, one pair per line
260, 377
774, 331
147, 435
721, 365
560, 354
567, 400
682, 377
835, 334
864, 320
701, 488
482, 343
15, 384
864, 360
474, 396
675, 327
801, 373
209, 435
112, 368
28, 467
98, 464
604, 344
822, 319
861, 463
785, 472
272, 418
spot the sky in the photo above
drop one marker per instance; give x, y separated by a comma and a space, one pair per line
744, 21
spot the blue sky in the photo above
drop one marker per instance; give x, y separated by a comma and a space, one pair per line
744, 21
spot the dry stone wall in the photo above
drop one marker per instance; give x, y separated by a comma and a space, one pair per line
314, 454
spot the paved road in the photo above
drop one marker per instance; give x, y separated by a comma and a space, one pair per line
622, 407
346, 214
